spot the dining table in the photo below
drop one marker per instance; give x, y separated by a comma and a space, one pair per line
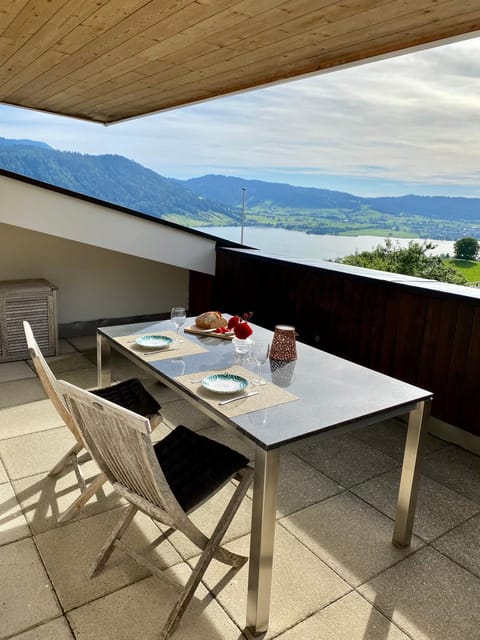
305, 399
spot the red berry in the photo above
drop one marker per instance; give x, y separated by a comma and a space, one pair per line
243, 330
234, 320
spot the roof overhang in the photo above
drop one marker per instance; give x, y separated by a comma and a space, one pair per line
106, 61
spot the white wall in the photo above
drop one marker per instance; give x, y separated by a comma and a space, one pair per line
93, 283
40, 209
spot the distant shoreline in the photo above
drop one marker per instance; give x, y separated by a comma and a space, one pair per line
298, 244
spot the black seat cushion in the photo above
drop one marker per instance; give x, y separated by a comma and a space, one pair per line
195, 466
130, 394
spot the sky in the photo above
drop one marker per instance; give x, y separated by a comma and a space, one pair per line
408, 124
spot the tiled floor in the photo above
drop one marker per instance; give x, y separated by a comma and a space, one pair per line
336, 574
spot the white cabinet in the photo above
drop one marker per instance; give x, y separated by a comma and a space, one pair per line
36, 302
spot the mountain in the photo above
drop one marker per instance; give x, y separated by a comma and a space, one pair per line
114, 179
270, 195
35, 143
440, 207
216, 200
265, 194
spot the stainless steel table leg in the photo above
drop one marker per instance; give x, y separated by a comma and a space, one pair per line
411, 470
262, 538
104, 373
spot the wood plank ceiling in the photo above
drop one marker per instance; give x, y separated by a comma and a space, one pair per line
107, 60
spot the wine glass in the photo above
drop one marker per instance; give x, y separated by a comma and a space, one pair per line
178, 316
259, 353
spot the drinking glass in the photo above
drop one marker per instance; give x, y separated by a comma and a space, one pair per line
178, 316
259, 353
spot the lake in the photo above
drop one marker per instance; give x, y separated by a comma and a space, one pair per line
296, 244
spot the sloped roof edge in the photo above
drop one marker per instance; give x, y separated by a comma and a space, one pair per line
119, 208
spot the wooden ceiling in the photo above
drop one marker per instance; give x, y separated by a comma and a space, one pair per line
107, 60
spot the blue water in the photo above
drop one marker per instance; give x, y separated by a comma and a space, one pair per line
296, 244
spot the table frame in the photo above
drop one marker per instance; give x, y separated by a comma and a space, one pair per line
265, 489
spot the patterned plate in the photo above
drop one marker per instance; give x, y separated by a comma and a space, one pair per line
224, 383
154, 342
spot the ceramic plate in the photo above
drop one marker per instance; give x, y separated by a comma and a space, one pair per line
224, 383
154, 342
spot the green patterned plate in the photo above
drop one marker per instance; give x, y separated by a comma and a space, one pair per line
154, 342
224, 383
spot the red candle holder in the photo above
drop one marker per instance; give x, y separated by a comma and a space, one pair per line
283, 344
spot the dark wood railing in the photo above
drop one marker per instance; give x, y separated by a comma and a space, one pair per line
419, 331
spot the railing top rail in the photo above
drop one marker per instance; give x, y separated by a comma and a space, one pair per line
471, 293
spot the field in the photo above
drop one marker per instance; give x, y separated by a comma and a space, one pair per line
360, 222
470, 269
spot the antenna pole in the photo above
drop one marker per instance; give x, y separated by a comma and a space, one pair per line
243, 213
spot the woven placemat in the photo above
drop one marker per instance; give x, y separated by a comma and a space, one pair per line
177, 350
268, 395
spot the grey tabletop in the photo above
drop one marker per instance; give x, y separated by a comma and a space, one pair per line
332, 392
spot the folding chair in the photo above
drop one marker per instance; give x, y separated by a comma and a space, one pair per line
166, 481
129, 393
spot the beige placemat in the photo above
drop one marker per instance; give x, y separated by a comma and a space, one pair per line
176, 350
268, 395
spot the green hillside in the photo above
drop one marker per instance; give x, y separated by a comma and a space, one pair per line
114, 179
214, 200
321, 211
470, 269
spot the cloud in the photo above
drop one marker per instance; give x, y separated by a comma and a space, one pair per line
409, 121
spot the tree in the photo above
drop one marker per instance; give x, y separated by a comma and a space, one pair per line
466, 248
412, 261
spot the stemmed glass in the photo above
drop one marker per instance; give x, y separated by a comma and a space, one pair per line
259, 353
178, 316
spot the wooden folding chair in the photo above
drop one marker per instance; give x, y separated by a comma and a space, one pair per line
166, 481
129, 393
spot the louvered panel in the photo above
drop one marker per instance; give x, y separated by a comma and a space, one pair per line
31, 300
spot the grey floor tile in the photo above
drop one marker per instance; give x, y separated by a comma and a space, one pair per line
349, 535
84, 378
70, 550
350, 618
57, 629
26, 595
300, 485
207, 517
65, 347
20, 392
346, 460
91, 355
182, 412
124, 369
83, 343
3, 473
302, 584
15, 371
36, 452
27, 418
115, 356
141, 609
68, 362
160, 432
438, 509
13, 525
232, 439
160, 392
389, 436
462, 545
457, 469
429, 597
44, 499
